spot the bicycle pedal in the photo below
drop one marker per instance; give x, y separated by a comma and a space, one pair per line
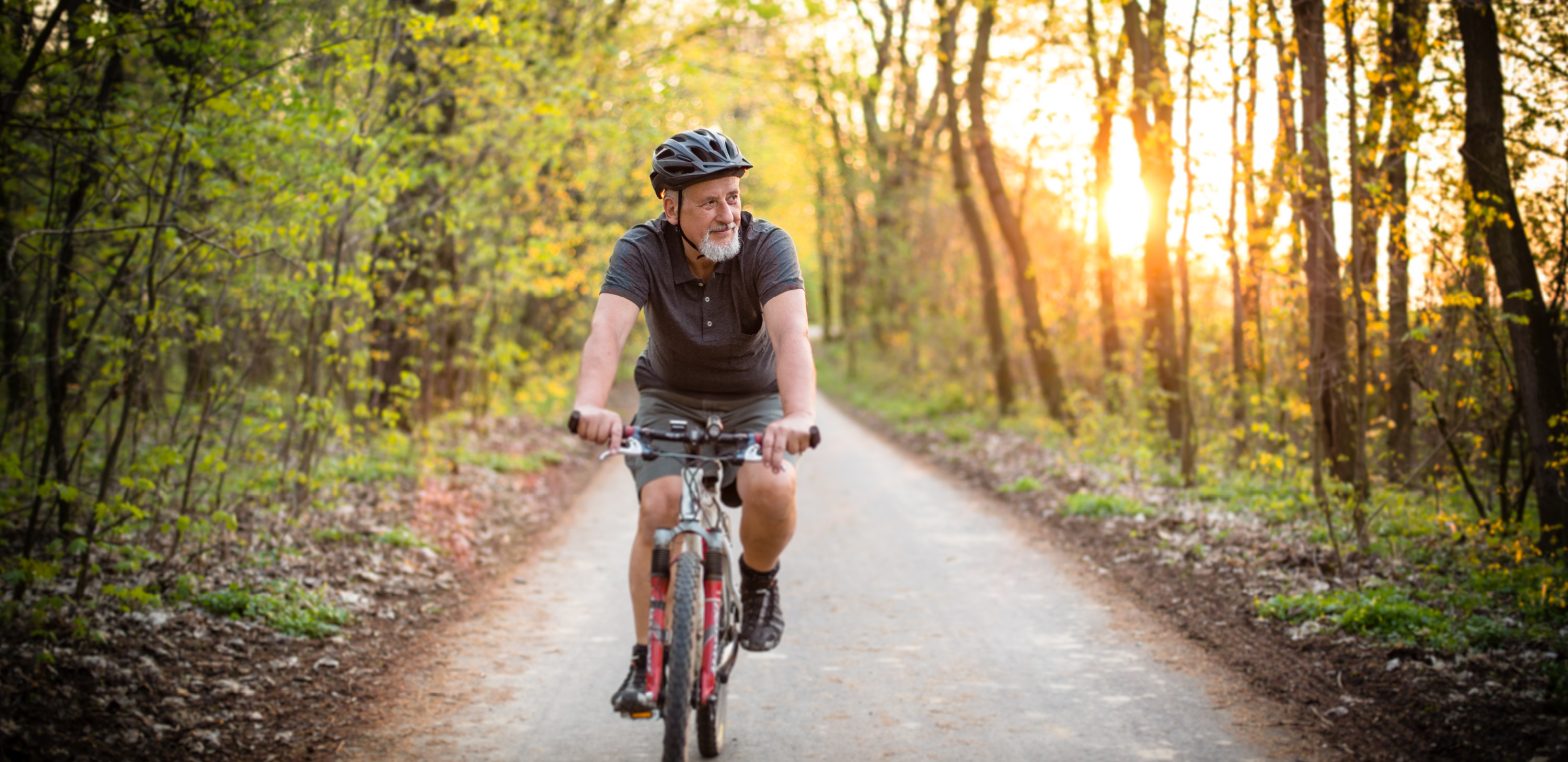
640, 715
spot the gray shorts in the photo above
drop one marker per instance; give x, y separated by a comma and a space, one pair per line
657, 407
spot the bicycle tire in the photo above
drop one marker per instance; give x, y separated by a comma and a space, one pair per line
682, 654
711, 716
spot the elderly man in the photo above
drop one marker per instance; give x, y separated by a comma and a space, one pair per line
726, 314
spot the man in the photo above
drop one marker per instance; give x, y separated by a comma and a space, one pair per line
726, 314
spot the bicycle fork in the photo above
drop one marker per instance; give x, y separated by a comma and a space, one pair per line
713, 602
657, 595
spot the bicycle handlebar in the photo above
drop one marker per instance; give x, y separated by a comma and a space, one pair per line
694, 435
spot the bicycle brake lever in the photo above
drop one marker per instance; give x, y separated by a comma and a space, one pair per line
631, 447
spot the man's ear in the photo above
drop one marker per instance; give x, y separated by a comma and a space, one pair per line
669, 209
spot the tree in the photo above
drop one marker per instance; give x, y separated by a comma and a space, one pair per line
1044, 359
1107, 80
1326, 310
1538, 368
1151, 111
991, 308
1406, 43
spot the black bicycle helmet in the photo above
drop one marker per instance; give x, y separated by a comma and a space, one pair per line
693, 156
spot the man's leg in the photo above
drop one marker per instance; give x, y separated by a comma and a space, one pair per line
659, 507
767, 519
767, 523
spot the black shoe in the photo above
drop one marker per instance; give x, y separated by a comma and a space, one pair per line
762, 619
633, 698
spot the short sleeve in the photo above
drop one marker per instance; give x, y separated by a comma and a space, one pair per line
627, 275
780, 270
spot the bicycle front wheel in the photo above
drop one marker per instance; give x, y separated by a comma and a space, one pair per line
682, 653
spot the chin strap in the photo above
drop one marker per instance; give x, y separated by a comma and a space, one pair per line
680, 197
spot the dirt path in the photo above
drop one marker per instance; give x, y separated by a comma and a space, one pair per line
924, 622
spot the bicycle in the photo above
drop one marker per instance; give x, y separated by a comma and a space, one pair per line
706, 593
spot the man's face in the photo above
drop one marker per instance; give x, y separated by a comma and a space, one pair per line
710, 215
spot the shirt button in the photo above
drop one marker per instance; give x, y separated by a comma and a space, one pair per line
706, 299
710, 323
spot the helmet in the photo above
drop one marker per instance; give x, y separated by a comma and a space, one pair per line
693, 156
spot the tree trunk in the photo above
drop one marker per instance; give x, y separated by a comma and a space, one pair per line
1287, 147
1364, 220
852, 264
1151, 119
1406, 42
827, 289
1001, 368
1044, 359
1189, 445
1329, 354
1238, 291
1538, 367
1105, 85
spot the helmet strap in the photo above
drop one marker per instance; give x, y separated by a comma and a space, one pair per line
680, 197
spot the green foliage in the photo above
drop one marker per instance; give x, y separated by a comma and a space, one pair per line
135, 597
286, 607
1278, 500
401, 537
287, 260
1383, 612
1102, 506
332, 534
1021, 485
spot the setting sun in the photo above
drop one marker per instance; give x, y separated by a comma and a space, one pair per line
1127, 212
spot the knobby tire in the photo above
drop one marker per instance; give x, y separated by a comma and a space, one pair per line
710, 717
682, 656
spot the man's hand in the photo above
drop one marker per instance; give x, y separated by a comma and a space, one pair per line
791, 434
599, 426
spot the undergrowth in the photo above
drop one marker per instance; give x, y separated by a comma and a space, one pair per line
1455, 582
285, 606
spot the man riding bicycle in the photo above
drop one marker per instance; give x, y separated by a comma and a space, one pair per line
726, 314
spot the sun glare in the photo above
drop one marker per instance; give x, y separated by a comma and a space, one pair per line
1127, 212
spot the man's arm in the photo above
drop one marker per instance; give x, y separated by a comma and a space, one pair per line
785, 317
613, 319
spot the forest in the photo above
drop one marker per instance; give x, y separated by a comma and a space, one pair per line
1306, 259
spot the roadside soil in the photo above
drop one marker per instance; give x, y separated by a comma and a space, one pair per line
1200, 569
178, 682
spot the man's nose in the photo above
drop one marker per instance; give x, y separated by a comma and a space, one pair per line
726, 214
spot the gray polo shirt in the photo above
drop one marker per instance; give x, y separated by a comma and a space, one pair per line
704, 337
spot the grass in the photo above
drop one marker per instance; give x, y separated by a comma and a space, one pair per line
286, 607
1021, 485
1102, 506
401, 537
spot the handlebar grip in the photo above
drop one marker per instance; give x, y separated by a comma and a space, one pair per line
571, 423
816, 437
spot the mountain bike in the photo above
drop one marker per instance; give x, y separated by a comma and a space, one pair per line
687, 674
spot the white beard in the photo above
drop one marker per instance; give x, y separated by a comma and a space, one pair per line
718, 252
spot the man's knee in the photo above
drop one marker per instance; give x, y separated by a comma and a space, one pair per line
660, 504
760, 487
